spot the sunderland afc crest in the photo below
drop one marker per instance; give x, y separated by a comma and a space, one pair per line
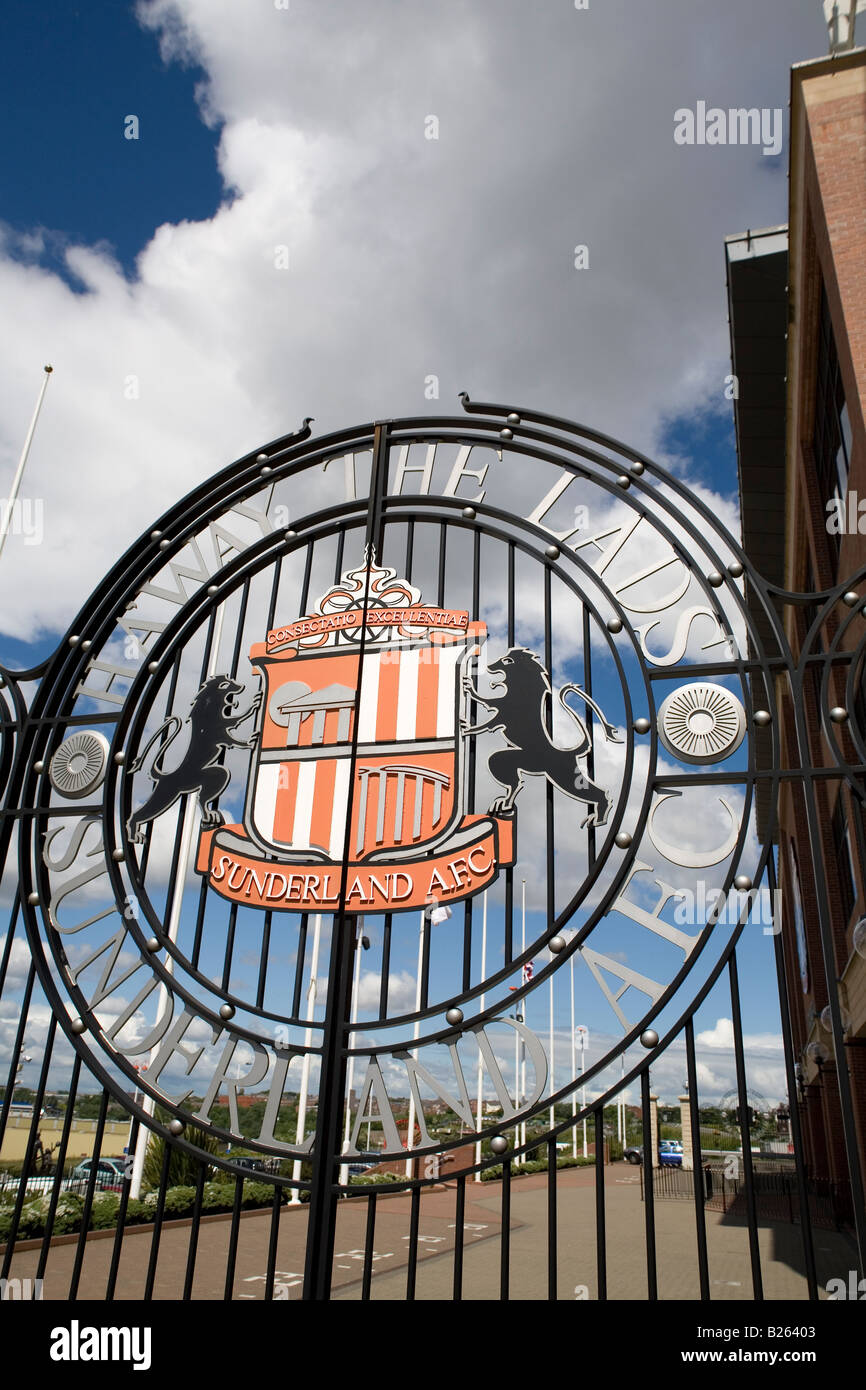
358, 785
360, 760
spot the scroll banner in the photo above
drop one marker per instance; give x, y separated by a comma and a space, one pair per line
418, 615
477, 850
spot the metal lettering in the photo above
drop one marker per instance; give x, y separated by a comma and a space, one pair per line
256, 1074
630, 978
651, 920
461, 1104
64, 862
681, 635
374, 1088
127, 672
425, 469
692, 859
348, 474
460, 471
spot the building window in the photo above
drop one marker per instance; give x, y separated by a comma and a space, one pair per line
832, 437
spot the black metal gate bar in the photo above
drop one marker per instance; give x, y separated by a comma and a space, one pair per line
88, 1198
117, 1243
793, 1108
459, 1234
697, 1165
649, 1208
192, 1247
344, 942
745, 1133
552, 1242
600, 1232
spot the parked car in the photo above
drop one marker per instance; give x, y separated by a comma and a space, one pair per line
670, 1154
110, 1173
363, 1162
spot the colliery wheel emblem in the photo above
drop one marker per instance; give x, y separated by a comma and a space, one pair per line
78, 766
701, 723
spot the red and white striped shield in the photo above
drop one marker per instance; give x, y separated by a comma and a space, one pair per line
404, 797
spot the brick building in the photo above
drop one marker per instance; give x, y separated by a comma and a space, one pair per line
797, 306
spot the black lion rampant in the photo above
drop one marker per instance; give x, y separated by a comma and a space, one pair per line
212, 720
518, 709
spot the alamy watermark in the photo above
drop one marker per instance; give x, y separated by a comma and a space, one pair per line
24, 518
737, 126
704, 902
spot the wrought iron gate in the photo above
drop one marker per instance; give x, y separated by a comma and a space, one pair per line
494, 688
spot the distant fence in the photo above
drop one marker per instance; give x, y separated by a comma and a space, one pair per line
777, 1196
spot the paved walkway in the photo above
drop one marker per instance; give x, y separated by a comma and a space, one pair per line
727, 1239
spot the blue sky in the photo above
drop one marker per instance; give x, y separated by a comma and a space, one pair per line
66, 164
153, 259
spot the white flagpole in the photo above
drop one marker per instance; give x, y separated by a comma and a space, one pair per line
312, 988
583, 1089
22, 462
190, 815
573, 1063
410, 1133
525, 1010
552, 1084
480, 1105
350, 1078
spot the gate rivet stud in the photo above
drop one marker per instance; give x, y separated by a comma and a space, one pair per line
553, 552
227, 1011
120, 759
556, 944
469, 513
623, 481
715, 580
152, 944
85, 646
851, 598
266, 470
261, 458
454, 1016
742, 883
614, 624
512, 419
73, 641
623, 840
78, 1026
838, 714
649, 1038
498, 1144
155, 535
291, 535
212, 589
176, 1127
506, 433
33, 899
39, 767
117, 855
735, 569
637, 468
153, 666
762, 717
641, 726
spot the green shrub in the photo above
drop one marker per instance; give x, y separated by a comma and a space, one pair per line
179, 1202
103, 1213
135, 1212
